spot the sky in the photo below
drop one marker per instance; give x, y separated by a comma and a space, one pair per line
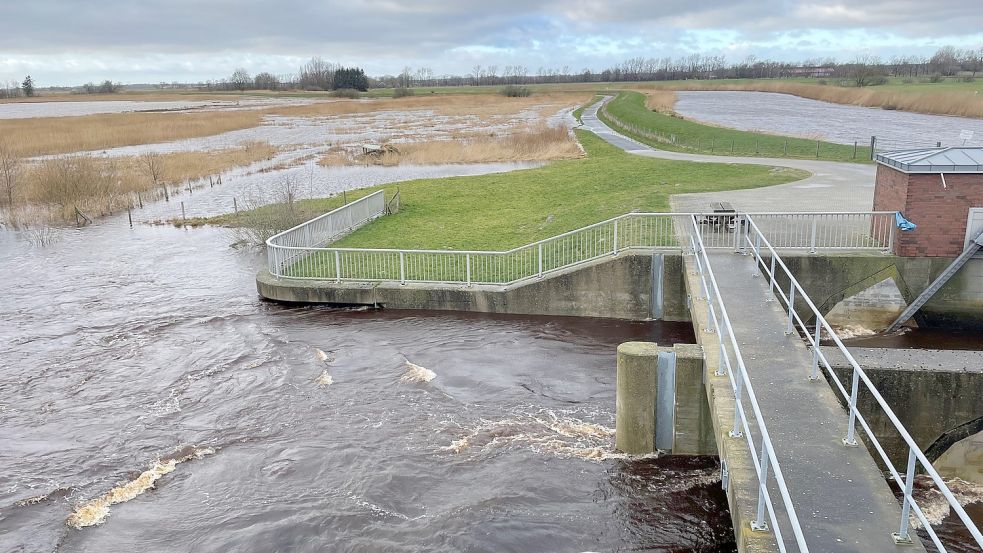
70, 42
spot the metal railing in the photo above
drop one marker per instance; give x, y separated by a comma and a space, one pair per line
302, 259
756, 242
718, 322
294, 245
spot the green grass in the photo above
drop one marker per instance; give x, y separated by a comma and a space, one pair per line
577, 113
505, 210
627, 113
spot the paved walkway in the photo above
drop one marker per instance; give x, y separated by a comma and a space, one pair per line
840, 495
833, 186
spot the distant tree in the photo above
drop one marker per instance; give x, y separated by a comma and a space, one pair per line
350, 78
109, 87
316, 74
266, 81
866, 70
9, 172
945, 61
28, 86
240, 79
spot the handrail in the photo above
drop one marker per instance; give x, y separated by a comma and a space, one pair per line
767, 456
915, 454
304, 259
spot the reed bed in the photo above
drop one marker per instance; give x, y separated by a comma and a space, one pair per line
57, 186
538, 143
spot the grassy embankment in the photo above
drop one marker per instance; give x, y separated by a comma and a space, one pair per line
629, 114
505, 210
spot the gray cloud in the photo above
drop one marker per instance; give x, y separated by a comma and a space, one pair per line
189, 38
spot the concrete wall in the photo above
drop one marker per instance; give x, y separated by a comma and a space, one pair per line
935, 394
616, 287
828, 279
939, 211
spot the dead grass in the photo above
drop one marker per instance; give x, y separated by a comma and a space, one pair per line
939, 103
478, 105
663, 101
100, 186
60, 135
541, 143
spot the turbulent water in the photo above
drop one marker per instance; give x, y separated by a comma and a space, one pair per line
149, 401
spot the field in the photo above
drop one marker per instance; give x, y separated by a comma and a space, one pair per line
505, 210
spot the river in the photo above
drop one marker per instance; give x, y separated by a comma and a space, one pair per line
785, 114
140, 363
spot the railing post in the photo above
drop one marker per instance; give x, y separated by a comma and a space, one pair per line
759, 524
711, 320
757, 254
723, 354
902, 536
791, 307
615, 250
540, 260
812, 243
890, 238
851, 439
337, 266
736, 432
815, 350
467, 263
771, 285
402, 268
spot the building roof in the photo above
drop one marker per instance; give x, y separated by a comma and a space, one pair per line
934, 160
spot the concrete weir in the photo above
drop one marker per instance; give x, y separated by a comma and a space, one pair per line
630, 285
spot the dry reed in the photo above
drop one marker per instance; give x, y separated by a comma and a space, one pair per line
662, 101
541, 143
100, 185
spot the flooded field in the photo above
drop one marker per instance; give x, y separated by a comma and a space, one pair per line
794, 116
150, 401
25, 110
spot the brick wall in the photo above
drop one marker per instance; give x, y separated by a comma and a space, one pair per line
940, 213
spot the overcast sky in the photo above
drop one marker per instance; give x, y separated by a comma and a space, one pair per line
66, 42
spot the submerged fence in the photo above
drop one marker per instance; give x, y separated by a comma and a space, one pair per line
299, 252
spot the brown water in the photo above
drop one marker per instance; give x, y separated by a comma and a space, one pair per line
139, 373
922, 338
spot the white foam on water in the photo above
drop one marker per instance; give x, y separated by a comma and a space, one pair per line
320, 355
95, 511
324, 380
416, 373
545, 433
846, 332
934, 505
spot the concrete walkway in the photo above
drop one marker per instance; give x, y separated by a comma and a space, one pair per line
833, 186
841, 497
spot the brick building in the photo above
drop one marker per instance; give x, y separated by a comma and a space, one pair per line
938, 189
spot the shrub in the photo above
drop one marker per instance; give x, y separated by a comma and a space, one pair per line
968, 79
823, 82
516, 91
402, 92
936, 78
907, 80
350, 93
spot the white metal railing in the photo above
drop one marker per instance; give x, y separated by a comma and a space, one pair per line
756, 242
718, 321
302, 259
300, 242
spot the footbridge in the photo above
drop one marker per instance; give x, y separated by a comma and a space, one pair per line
804, 470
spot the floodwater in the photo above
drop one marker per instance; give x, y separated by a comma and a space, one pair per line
922, 338
149, 397
25, 110
794, 116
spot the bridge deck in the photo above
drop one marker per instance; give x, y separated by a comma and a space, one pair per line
842, 499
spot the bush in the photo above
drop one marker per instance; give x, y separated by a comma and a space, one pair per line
350, 93
823, 82
907, 80
968, 79
402, 92
516, 91
936, 79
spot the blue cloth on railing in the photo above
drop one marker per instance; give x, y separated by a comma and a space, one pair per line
904, 224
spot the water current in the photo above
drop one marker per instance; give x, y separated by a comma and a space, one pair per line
150, 401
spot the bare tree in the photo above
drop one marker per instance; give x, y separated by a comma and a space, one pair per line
152, 164
240, 79
9, 172
865, 70
317, 74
